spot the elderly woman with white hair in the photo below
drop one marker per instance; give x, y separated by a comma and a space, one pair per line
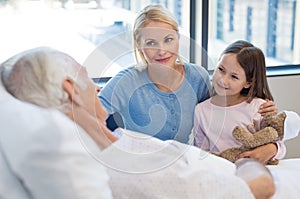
41, 155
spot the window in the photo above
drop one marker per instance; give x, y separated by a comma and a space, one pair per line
76, 27
268, 24
97, 33
116, 51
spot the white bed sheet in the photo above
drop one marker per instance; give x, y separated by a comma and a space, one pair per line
126, 160
287, 178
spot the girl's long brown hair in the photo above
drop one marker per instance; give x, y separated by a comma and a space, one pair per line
252, 60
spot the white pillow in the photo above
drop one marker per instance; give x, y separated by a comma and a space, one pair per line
291, 125
10, 185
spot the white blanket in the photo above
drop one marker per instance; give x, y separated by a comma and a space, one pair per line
287, 178
144, 167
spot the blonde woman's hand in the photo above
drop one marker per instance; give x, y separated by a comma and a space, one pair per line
268, 107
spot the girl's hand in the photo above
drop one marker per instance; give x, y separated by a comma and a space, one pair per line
268, 107
262, 153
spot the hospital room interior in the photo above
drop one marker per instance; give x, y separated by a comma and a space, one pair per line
101, 36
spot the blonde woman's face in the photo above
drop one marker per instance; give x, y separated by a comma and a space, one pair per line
159, 43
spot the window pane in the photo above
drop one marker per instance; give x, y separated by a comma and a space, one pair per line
268, 24
97, 33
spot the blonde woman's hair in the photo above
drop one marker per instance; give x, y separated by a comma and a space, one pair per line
150, 13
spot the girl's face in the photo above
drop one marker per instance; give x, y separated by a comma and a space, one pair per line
159, 43
229, 77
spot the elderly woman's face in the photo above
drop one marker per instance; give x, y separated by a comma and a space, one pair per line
89, 94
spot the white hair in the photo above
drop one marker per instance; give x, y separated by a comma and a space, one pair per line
37, 76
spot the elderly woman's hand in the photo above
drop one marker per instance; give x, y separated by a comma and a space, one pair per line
257, 176
97, 130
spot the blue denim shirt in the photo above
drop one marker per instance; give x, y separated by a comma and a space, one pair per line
145, 108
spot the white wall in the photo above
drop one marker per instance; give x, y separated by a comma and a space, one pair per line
286, 92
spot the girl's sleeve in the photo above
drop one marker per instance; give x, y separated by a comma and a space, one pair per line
281, 150
291, 130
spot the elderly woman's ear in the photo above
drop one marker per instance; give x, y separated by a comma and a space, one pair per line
73, 91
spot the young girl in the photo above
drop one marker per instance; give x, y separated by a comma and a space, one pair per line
240, 88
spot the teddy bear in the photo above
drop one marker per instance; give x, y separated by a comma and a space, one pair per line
272, 131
